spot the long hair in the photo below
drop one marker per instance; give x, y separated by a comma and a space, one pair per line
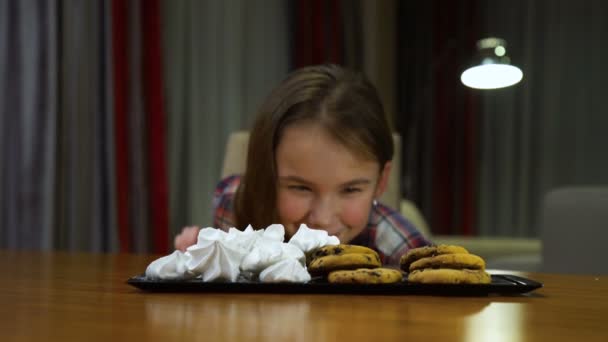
344, 102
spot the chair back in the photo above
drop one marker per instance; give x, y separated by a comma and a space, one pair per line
574, 230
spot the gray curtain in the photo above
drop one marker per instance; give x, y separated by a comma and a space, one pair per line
28, 122
137, 127
56, 183
550, 130
221, 59
84, 132
378, 35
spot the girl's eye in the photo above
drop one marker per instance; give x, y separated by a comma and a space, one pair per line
351, 190
300, 188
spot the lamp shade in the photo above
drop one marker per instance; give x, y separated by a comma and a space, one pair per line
492, 68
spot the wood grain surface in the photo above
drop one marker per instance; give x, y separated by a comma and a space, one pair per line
84, 297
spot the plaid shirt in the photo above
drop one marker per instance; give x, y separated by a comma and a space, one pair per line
387, 231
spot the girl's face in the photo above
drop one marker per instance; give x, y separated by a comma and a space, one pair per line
323, 184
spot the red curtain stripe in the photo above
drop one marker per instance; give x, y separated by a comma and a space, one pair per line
154, 116
454, 124
335, 19
318, 33
155, 110
302, 53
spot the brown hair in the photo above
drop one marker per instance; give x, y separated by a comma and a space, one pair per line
342, 101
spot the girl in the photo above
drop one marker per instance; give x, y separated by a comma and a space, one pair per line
319, 153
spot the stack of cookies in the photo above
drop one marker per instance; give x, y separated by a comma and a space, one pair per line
350, 264
444, 264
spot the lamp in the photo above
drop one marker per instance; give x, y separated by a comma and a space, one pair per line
493, 69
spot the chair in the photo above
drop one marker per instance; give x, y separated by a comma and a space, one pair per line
235, 160
574, 232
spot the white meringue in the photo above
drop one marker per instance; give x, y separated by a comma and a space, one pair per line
308, 239
210, 233
172, 266
293, 252
243, 240
267, 252
214, 257
288, 270
221, 256
275, 232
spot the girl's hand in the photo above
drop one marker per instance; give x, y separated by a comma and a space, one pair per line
186, 238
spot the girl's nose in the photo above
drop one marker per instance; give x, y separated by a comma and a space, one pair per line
322, 214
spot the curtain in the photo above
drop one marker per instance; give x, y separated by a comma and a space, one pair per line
548, 131
356, 34
437, 116
139, 113
82, 126
378, 53
317, 33
221, 59
115, 113
28, 122
480, 162
79, 180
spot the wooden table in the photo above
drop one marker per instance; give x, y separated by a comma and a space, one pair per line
84, 297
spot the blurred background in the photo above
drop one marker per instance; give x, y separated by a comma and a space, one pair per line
115, 114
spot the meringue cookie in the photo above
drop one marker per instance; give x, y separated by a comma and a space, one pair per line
308, 239
214, 257
288, 270
267, 252
221, 256
293, 252
275, 232
210, 233
243, 240
172, 266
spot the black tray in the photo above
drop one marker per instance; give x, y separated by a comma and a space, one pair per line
501, 284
